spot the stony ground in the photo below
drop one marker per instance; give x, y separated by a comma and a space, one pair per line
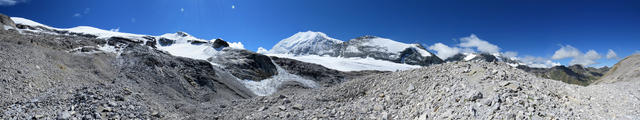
42, 77
462, 90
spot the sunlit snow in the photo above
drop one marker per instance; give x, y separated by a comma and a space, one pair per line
349, 64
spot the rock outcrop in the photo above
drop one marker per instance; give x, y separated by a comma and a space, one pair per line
6, 21
219, 44
245, 64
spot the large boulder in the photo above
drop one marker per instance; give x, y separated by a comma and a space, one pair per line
6, 21
245, 64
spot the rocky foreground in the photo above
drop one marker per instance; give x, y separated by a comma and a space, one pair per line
462, 90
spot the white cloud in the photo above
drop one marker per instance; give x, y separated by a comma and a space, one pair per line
10, 2
233, 6
567, 51
538, 62
481, 45
444, 51
261, 50
510, 54
85, 12
586, 59
181, 9
612, 55
237, 45
472, 43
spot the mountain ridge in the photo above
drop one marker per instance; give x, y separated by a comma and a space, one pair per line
364, 46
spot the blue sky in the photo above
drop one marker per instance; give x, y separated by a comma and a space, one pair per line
529, 28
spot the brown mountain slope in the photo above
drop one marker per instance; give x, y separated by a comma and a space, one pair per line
628, 69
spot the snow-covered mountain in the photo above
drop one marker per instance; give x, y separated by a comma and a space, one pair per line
487, 57
377, 48
387, 49
230, 60
302, 43
178, 44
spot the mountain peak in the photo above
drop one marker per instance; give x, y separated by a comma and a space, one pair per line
182, 34
308, 42
311, 35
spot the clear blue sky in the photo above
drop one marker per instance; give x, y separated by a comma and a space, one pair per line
529, 28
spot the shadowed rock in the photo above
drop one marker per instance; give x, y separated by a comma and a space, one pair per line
245, 64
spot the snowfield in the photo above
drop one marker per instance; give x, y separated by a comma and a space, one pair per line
394, 46
349, 64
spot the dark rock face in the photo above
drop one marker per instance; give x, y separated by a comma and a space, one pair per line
113, 41
6, 20
454, 58
186, 76
219, 43
575, 74
151, 41
165, 42
245, 64
412, 57
197, 42
486, 57
318, 73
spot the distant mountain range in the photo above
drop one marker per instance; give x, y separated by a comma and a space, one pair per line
361, 53
318, 43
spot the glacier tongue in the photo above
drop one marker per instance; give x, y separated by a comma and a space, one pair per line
269, 86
